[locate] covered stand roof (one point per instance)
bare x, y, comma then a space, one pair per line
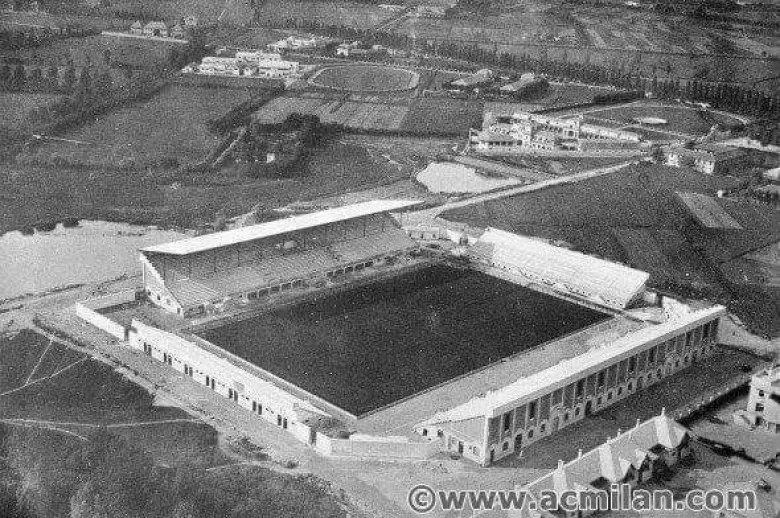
278, 227
595, 279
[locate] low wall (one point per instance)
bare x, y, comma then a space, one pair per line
113, 299
88, 310
99, 321
380, 448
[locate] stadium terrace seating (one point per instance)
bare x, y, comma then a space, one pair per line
259, 271
361, 249
602, 281
190, 293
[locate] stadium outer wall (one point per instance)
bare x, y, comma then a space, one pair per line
266, 400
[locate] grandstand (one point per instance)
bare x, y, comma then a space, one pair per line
194, 276
564, 271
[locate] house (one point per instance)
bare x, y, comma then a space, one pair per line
763, 407
345, 48
708, 158
156, 29
137, 28
177, 31
632, 457
190, 21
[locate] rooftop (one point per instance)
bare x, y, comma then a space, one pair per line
279, 227
605, 282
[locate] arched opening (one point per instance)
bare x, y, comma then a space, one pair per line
588, 408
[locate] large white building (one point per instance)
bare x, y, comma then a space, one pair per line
201, 274
618, 358
529, 132
484, 415
260, 64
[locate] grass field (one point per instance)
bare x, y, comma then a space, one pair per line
371, 346
686, 120
365, 78
62, 389
90, 424
170, 127
93, 50
352, 14
366, 116
428, 117
633, 217
16, 106
443, 117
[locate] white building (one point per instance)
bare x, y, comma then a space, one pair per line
763, 408
215, 65
616, 360
293, 43
708, 158
632, 457
250, 63
530, 131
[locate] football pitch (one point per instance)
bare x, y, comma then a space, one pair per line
373, 345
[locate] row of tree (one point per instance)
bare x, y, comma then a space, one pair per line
65, 80
721, 95
15, 39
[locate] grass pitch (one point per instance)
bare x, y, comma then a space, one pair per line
371, 346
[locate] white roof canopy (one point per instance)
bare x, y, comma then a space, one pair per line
279, 227
608, 283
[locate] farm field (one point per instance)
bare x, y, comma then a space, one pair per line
666, 256
16, 106
365, 78
89, 426
34, 193
442, 117
398, 337
355, 115
169, 128
559, 96
632, 216
60, 388
93, 50
352, 14
416, 117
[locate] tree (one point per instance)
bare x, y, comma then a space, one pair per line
52, 82
657, 154
69, 79
18, 79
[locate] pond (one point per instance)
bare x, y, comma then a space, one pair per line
451, 178
93, 251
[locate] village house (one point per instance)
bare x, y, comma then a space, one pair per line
156, 29
177, 31
763, 407
137, 28
707, 158
632, 457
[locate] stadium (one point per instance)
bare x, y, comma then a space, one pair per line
340, 328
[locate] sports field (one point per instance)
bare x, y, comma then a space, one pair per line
365, 78
371, 346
